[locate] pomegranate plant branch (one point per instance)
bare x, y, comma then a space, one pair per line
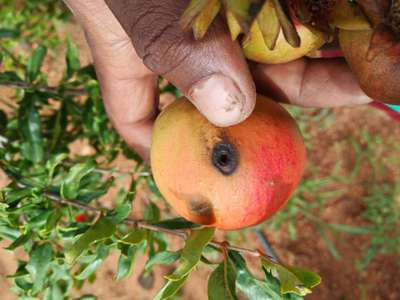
144, 225
45, 88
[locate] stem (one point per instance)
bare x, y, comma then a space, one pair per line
144, 225
48, 89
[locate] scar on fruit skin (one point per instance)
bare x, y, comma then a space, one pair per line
199, 206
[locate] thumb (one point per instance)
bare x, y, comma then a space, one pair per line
212, 73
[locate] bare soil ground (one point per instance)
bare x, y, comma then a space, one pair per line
340, 278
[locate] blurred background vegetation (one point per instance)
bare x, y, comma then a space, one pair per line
343, 220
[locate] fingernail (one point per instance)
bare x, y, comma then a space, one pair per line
219, 99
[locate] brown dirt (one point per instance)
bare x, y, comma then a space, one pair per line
341, 280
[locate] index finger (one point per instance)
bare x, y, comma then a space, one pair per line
310, 83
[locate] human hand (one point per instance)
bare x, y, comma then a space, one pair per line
133, 41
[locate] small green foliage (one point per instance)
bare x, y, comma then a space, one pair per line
104, 228
170, 288
191, 253
35, 62
222, 282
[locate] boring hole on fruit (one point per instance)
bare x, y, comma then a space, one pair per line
225, 158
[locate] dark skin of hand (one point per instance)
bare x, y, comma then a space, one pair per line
134, 41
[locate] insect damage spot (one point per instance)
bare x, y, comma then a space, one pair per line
225, 157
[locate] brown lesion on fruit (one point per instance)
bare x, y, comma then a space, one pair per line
200, 207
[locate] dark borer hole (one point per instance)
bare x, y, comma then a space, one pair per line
225, 158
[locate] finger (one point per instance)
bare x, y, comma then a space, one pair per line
129, 89
310, 83
211, 72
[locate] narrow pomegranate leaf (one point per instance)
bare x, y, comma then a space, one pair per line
251, 287
170, 289
292, 279
135, 237
191, 253
221, 283
269, 24
203, 21
101, 230
289, 31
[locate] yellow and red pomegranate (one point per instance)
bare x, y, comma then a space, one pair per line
231, 177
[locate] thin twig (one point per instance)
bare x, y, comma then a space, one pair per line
45, 88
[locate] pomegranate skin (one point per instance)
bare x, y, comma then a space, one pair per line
231, 177
378, 77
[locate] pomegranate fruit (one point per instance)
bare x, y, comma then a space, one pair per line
231, 177
374, 55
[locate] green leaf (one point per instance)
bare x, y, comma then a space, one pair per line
151, 213
221, 283
53, 292
350, 229
101, 230
161, 258
328, 242
9, 33
39, 265
153, 187
37, 222
8, 233
87, 297
59, 127
307, 277
135, 237
54, 162
71, 184
251, 287
35, 62
53, 219
3, 121
125, 262
9, 76
176, 223
292, 279
21, 240
191, 253
170, 289
30, 129
120, 213
102, 253
72, 58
